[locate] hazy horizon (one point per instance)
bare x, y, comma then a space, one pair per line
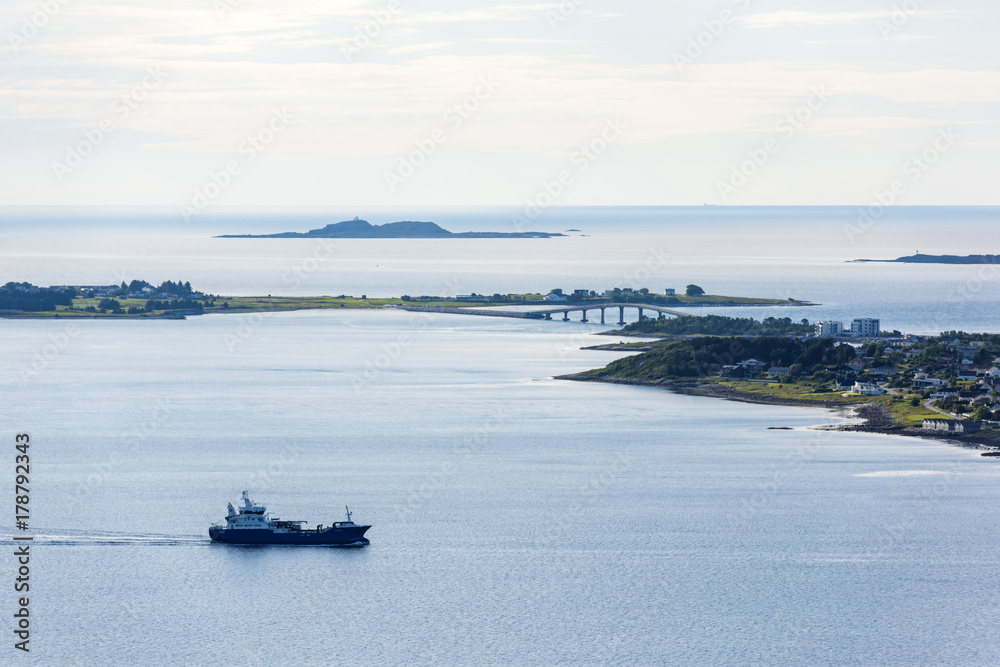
516, 103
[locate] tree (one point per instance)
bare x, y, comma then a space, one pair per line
557, 291
694, 290
981, 413
109, 304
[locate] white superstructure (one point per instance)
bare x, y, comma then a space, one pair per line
253, 517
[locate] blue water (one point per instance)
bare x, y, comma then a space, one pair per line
516, 518
774, 252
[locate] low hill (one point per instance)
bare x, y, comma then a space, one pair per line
406, 229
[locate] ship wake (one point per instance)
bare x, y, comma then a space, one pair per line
72, 538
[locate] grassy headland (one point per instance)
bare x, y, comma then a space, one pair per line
141, 299
907, 382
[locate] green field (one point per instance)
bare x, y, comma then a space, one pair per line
898, 406
243, 304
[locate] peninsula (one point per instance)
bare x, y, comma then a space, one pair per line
407, 229
170, 299
945, 386
939, 259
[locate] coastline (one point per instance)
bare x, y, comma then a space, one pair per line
873, 417
261, 304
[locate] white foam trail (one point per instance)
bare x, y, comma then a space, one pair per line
107, 540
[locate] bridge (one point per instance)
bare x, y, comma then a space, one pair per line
547, 313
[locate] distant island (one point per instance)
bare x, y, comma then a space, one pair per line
176, 300
940, 259
362, 229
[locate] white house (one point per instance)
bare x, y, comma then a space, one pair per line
551, 296
867, 389
944, 393
950, 425
922, 380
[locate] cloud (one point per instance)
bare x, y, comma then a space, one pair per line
870, 40
801, 18
495, 13
225, 75
416, 48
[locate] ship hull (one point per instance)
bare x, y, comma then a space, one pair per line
343, 536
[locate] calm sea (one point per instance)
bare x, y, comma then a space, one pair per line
516, 518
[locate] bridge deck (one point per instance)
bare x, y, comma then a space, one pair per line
541, 312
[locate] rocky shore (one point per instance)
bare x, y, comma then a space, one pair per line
873, 418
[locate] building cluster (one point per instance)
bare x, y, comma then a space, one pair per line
579, 294
862, 327
961, 383
145, 291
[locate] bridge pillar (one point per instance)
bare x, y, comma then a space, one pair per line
621, 314
548, 316
584, 315
640, 314
602, 316
566, 316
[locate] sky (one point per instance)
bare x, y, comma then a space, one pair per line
194, 103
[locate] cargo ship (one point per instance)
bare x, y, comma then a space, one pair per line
251, 524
